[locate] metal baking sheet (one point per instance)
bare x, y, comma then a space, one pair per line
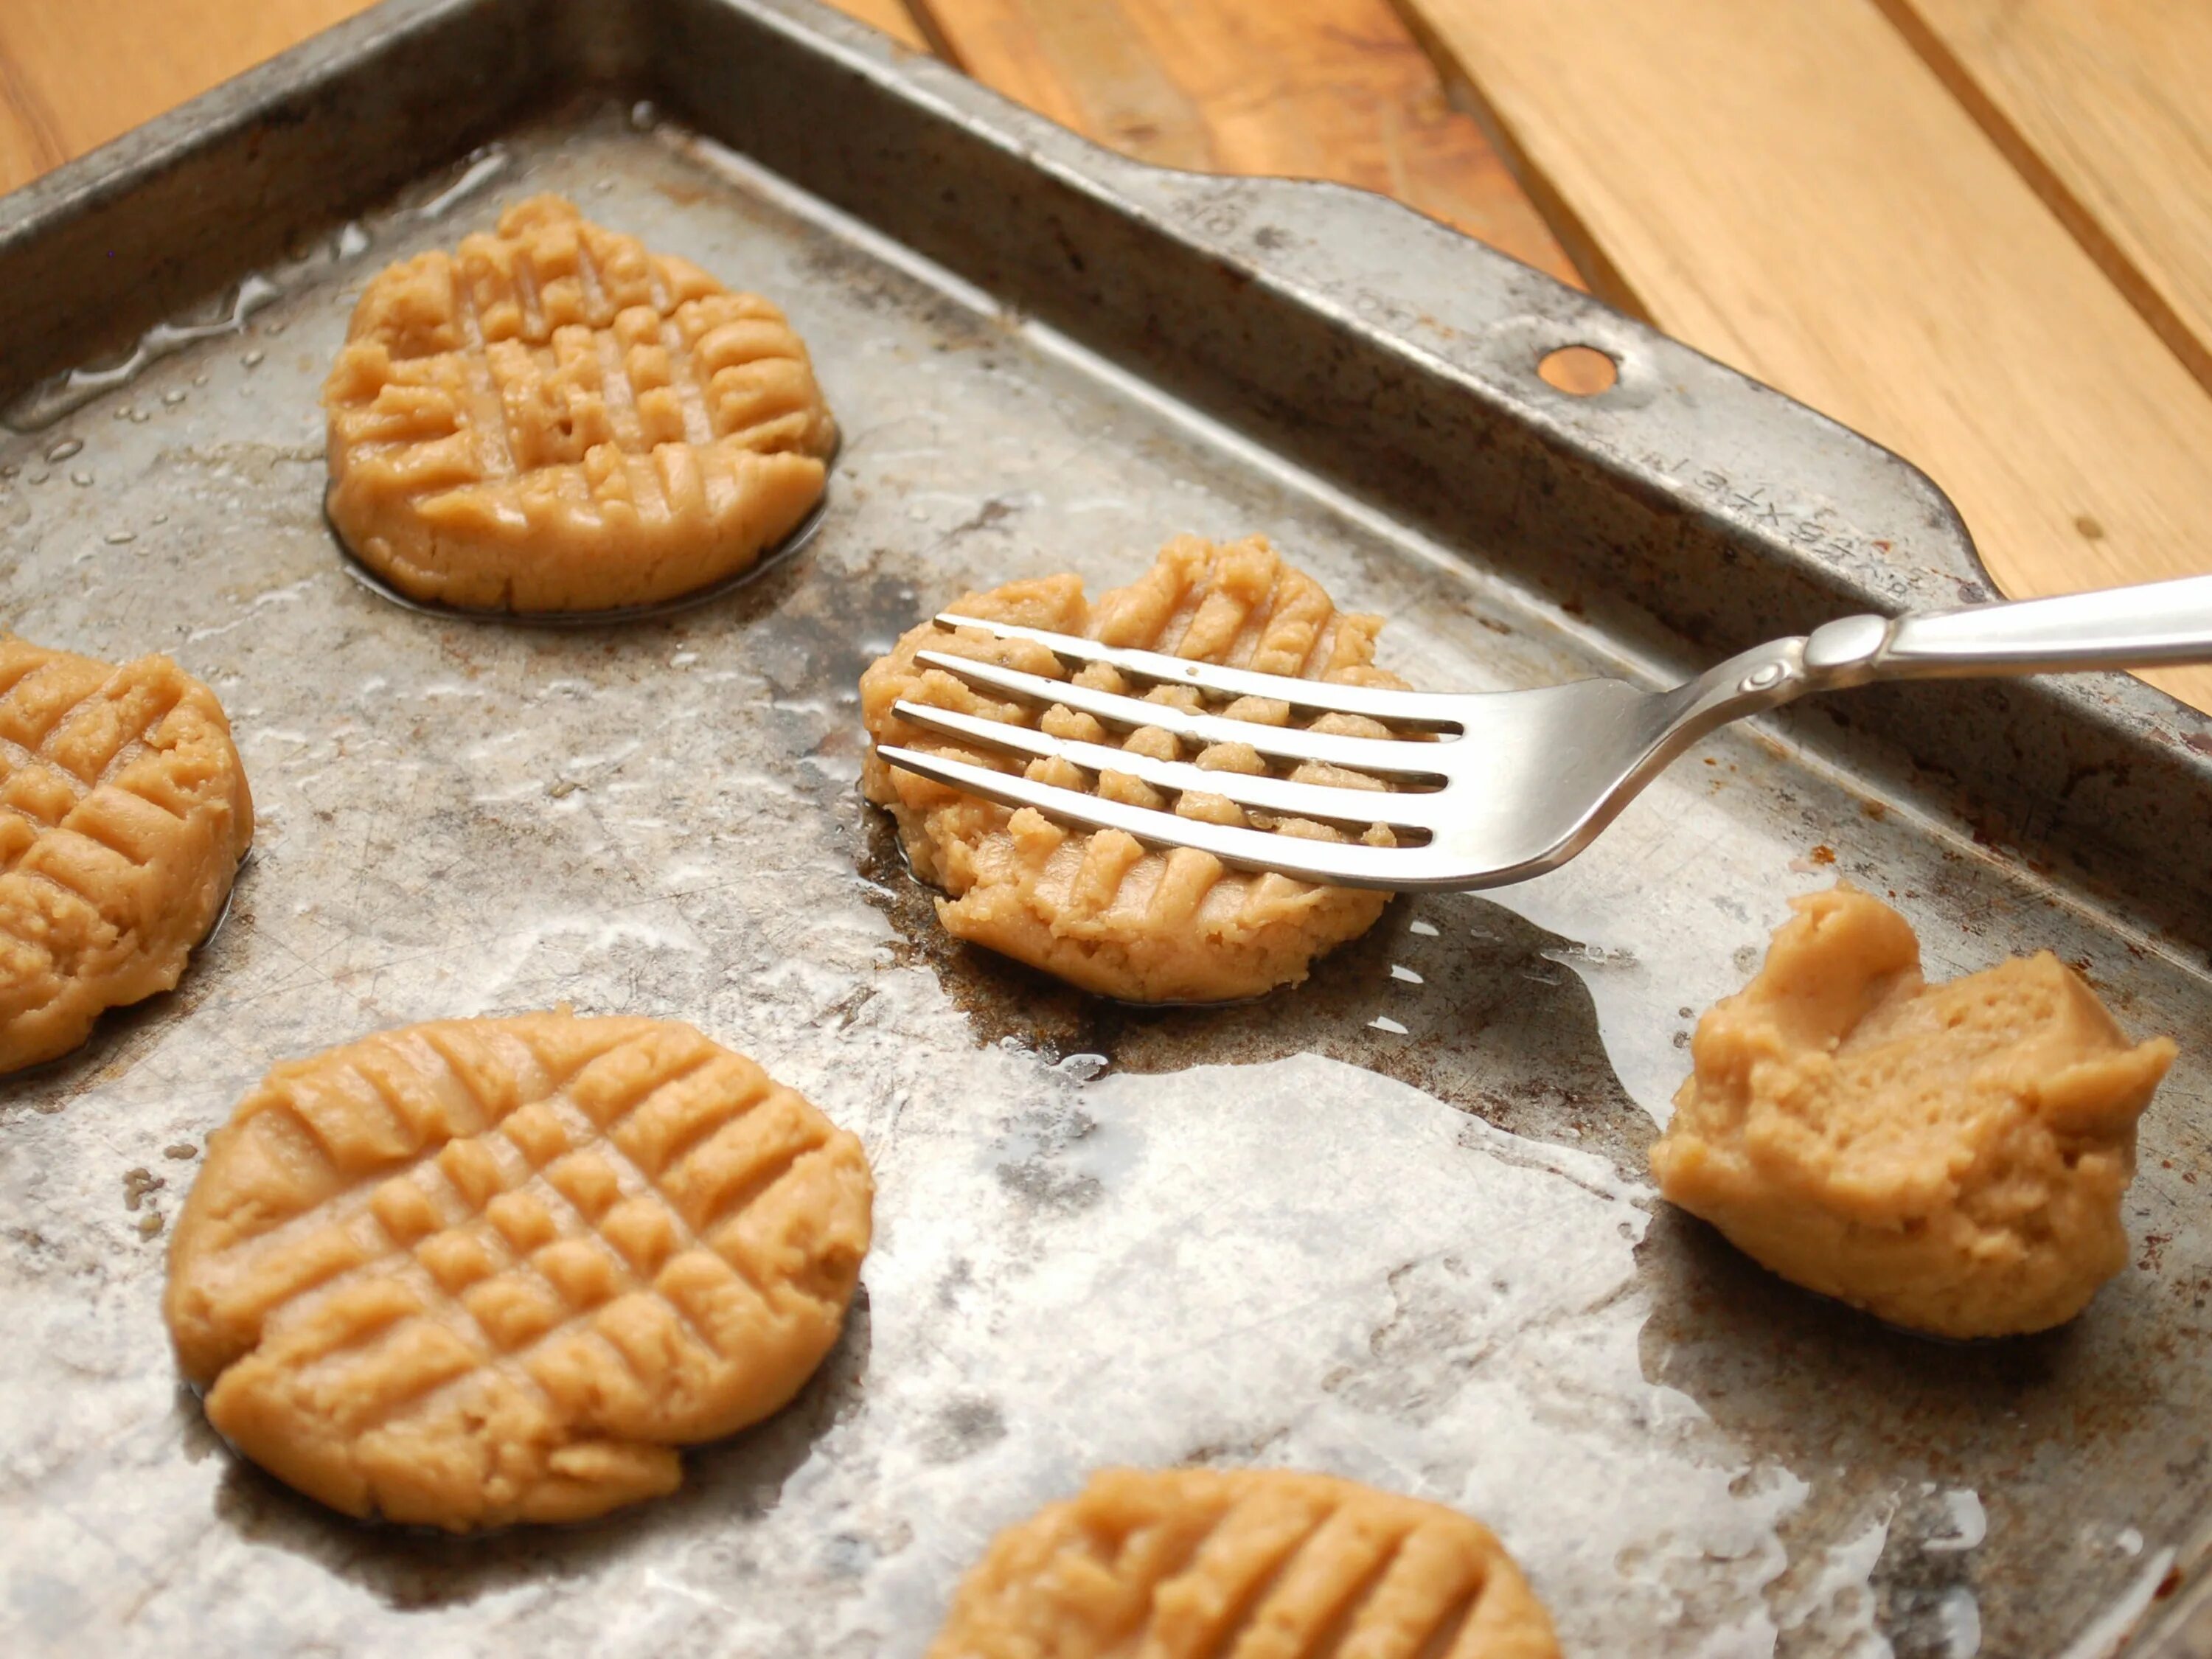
1395, 1224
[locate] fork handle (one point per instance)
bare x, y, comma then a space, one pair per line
2138, 626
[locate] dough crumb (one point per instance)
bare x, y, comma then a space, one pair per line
1949, 1158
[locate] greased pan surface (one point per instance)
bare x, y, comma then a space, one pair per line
1393, 1224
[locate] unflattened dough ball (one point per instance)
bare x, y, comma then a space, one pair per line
1949, 1158
1211, 1561
1096, 908
553, 418
482, 1271
123, 813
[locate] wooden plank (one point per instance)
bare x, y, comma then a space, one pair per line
1303, 89
891, 17
2107, 111
1790, 189
77, 73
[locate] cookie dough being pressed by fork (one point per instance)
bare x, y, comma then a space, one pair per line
123, 813
485, 1271
1096, 908
554, 419
1220, 1561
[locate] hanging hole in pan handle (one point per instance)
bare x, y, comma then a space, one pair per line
1580, 371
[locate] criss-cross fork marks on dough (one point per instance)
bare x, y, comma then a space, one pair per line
1206, 1564
554, 419
123, 812
475, 1271
1096, 908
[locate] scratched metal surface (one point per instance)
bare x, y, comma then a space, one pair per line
1393, 1224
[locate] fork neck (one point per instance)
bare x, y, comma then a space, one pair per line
1750, 682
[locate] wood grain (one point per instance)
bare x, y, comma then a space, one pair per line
77, 73
2106, 110
891, 17
1789, 188
1332, 89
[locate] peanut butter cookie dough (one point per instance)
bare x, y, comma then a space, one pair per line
553, 418
123, 813
1096, 908
483, 1271
1244, 1561
1949, 1158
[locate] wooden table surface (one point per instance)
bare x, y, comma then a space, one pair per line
1979, 231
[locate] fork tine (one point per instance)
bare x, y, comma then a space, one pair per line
1425, 711
1329, 804
1388, 757
1337, 864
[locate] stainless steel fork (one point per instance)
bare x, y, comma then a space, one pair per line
1500, 785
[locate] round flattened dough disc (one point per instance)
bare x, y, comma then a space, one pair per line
482, 1271
553, 419
1229, 1561
123, 813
